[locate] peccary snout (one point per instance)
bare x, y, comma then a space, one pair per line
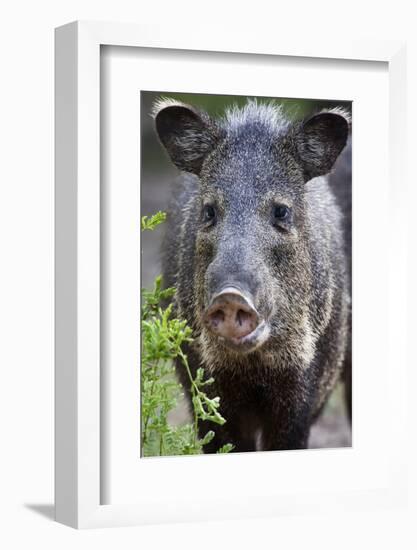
231, 314
232, 317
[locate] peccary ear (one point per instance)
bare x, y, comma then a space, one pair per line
187, 134
319, 141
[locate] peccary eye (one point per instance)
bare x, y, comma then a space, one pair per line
280, 213
209, 213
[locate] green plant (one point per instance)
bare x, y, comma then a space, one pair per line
162, 339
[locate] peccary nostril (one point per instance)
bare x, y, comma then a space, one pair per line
216, 318
242, 317
231, 316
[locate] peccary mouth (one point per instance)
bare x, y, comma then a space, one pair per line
251, 341
233, 319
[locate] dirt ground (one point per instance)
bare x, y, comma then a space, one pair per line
332, 428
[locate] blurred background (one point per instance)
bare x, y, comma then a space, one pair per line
157, 177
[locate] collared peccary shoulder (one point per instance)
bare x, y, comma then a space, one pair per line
255, 246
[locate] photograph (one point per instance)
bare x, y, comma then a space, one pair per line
246, 209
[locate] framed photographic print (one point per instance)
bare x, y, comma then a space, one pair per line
228, 324
249, 263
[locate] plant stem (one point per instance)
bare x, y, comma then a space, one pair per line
146, 421
194, 391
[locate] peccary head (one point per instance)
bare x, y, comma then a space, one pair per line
253, 267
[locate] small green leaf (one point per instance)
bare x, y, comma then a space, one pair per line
226, 448
207, 438
149, 223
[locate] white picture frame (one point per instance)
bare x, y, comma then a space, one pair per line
78, 426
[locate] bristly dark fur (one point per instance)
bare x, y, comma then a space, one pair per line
299, 274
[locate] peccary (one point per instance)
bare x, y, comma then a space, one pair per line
255, 246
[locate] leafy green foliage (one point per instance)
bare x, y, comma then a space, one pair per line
226, 448
162, 339
150, 222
